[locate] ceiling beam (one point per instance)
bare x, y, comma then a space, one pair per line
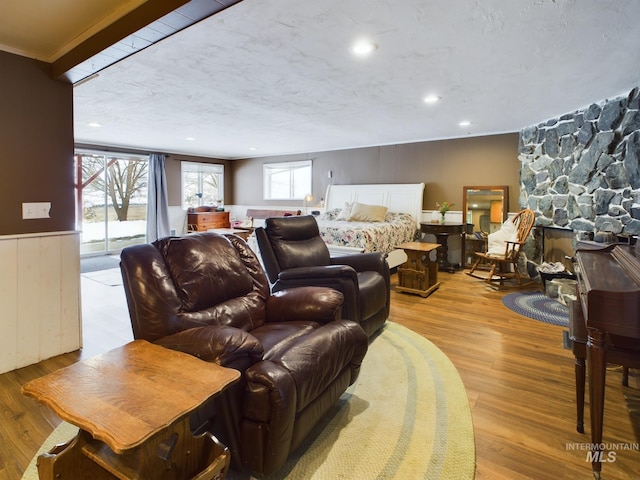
148, 12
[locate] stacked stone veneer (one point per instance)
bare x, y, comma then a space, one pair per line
582, 171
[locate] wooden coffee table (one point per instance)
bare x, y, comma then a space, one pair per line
418, 274
132, 406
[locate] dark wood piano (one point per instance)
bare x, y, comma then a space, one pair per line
609, 290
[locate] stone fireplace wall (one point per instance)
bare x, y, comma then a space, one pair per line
581, 171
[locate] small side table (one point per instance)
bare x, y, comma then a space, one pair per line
132, 405
418, 274
442, 232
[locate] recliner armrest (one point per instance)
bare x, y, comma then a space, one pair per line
376, 261
339, 277
226, 346
318, 272
316, 304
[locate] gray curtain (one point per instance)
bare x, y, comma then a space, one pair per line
157, 201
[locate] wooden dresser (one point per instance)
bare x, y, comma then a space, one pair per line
203, 221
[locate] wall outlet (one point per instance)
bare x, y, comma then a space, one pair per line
36, 210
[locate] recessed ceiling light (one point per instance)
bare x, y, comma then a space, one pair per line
190, 139
253, 149
94, 124
465, 123
363, 47
431, 99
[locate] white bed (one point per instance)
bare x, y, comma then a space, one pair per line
401, 200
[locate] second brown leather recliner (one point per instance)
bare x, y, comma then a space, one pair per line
294, 254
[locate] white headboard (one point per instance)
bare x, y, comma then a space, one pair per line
399, 197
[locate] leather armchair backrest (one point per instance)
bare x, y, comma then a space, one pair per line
296, 242
206, 270
199, 279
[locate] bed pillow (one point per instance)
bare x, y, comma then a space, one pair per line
345, 213
361, 212
330, 214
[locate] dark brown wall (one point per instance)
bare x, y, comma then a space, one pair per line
36, 146
445, 166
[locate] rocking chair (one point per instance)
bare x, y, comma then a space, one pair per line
504, 266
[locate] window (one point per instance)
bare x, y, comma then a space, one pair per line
111, 200
202, 184
287, 181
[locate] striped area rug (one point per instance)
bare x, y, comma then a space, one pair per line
538, 306
406, 417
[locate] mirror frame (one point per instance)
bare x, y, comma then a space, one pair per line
505, 199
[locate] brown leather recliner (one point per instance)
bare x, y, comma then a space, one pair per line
206, 294
294, 254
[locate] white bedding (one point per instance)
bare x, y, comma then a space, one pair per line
402, 222
368, 236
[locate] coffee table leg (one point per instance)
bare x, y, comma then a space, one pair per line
66, 461
175, 455
172, 454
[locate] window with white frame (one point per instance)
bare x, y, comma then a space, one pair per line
287, 181
202, 184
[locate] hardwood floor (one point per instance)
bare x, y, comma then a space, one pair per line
518, 376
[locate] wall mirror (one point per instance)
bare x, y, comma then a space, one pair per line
485, 208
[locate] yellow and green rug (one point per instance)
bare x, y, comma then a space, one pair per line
406, 417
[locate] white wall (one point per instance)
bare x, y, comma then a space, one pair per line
40, 297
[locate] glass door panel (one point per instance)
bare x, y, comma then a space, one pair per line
112, 202
126, 202
91, 198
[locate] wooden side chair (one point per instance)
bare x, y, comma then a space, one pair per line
504, 266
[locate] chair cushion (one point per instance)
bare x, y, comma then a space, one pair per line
507, 233
206, 270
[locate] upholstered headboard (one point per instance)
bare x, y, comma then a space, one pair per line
400, 197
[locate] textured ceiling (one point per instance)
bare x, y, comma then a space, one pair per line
279, 76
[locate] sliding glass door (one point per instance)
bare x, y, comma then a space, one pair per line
111, 200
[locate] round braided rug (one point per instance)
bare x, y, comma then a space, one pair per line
538, 306
406, 417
